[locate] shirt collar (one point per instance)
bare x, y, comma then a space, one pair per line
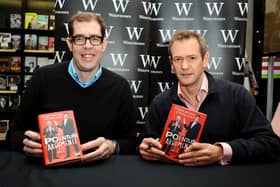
202, 93
72, 71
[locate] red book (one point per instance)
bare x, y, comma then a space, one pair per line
59, 137
182, 127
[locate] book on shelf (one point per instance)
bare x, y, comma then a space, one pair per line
15, 20
30, 63
51, 41
14, 64
4, 127
26, 80
3, 82
13, 81
4, 64
43, 42
42, 22
182, 127
14, 101
16, 41
5, 40
4, 100
51, 22
30, 20
43, 61
59, 138
30, 41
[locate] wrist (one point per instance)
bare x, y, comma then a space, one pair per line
116, 147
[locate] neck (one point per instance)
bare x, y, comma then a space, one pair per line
85, 76
191, 92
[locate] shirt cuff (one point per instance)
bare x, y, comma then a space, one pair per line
227, 153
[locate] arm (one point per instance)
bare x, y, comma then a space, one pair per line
257, 141
26, 118
126, 130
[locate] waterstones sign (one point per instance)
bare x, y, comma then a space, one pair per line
139, 31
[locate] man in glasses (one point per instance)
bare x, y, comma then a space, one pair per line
101, 100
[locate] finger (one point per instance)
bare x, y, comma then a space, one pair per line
30, 151
102, 151
152, 153
32, 144
33, 135
93, 144
150, 156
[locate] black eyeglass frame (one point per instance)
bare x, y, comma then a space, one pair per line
91, 38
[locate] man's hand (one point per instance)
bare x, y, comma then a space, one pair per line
98, 149
150, 149
32, 144
198, 154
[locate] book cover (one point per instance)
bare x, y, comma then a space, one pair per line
27, 78
30, 20
183, 127
5, 40
15, 20
42, 61
14, 101
4, 100
4, 64
30, 64
43, 42
51, 22
30, 41
3, 82
15, 64
42, 22
59, 137
4, 127
13, 81
51, 43
16, 41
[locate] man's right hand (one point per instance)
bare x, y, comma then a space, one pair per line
150, 149
32, 144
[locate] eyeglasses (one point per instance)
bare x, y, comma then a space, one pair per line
93, 39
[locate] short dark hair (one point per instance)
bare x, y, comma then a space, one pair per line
86, 17
185, 35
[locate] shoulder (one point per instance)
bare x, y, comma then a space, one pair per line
164, 100
227, 86
230, 91
52, 68
113, 78
223, 86
112, 75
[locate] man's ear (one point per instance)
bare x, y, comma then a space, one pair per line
104, 44
69, 43
206, 58
171, 64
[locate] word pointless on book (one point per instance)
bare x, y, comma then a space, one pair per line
174, 139
60, 141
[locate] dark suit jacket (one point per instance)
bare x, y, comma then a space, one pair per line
193, 130
68, 127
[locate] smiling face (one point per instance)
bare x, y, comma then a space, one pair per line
86, 57
187, 62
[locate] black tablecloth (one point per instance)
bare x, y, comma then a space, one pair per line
17, 170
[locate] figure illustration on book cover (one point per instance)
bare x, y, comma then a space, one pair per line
183, 127
61, 139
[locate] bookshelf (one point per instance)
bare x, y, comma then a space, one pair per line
20, 55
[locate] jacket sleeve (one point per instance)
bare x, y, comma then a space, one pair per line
257, 141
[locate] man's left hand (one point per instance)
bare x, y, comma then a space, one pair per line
198, 154
98, 149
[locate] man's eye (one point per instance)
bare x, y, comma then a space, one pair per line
79, 38
177, 59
